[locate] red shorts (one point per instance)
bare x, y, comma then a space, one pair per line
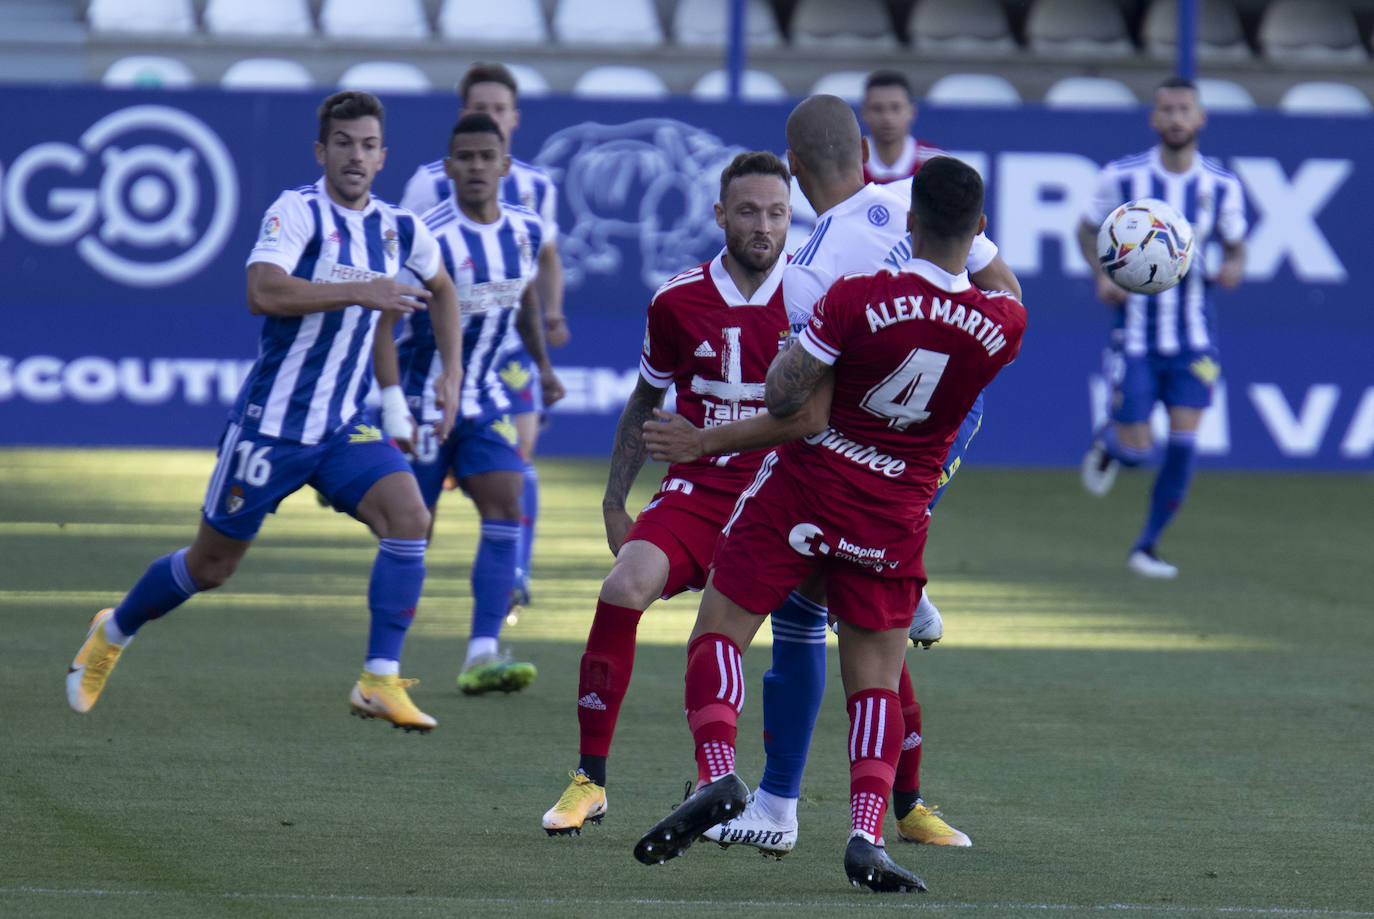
684, 520
782, 531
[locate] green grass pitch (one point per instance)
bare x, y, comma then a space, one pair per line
1111, 745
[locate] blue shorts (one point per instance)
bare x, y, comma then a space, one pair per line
477, 445
1182, 380
972, 422
253, 474
520, 378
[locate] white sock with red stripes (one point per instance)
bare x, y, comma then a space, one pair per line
714, 697
875, 744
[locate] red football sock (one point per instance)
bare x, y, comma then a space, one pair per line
909, 765
714, 698
604, 675
875, 742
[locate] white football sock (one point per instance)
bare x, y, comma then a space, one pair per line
775, 808
382, 666
478, 648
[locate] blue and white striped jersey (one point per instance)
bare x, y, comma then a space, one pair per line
525, 185
865, 232
312, 371
1210, 197
491, 265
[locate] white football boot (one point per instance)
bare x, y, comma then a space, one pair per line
755, 828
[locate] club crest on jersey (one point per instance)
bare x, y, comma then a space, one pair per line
879, 215
784, 337
391, 242
233, 502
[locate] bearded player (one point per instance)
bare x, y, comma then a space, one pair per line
712, 330
906, 354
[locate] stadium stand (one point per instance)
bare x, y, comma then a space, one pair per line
149, 71
706, 24
275, 18
531, 82
756, 85
1281, 42
1220, 95
1090, 92
266, 73
1309, 30
1074, 27
981, 89
1220, 34
973, 26
508, 22
847, 84
853, 24
607, 22
367, 20
385, 77
144, 17
1321, 97
619, 82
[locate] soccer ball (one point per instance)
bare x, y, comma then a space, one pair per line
1145, 246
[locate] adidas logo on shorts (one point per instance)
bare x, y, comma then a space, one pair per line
911, 741
705, 350
593, 701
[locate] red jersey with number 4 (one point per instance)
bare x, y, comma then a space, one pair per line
911, 353
704, 336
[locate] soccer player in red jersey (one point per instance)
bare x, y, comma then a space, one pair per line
889, 111
712, 330
907, 354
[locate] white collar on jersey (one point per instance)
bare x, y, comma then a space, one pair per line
954, 283
1157, 164
730, 292
365, 210
865, 196
902, 167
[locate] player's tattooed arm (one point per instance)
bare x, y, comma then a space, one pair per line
791, 380
627, 458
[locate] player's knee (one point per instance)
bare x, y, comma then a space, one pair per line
630, 586
410, 520
211, 571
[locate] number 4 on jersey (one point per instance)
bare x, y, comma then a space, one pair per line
903, 396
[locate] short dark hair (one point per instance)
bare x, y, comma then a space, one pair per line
947, 196
1177, 83
755, 163
482, 72
476, 123
350, 105
887, 78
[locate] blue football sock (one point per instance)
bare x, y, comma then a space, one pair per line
1126, 456
493, 576
529, 513
398, 576
792, 693
164, 586
1171, 486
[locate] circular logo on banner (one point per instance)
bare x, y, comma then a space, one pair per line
149, 196
879, 215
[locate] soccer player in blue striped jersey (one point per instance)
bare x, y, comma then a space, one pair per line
1164, 346
323, 274
490, 248
490, 89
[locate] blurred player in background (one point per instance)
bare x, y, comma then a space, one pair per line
490, 248
323, 274
712, 331
889, 111
860, 229
906, 355
1164, 347
490, 89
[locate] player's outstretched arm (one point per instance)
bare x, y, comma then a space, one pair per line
273, 292
673, 439
627, 458
792, 380
446, 316
548, 283
996, 275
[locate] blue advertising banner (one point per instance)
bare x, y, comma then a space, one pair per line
126, 217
